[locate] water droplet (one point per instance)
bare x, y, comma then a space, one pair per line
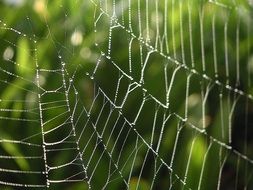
228, 87
217, 82
194, 71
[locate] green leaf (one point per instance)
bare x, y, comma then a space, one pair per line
13, 150
136, 184
25, 62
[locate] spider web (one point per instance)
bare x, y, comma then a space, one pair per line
162, 100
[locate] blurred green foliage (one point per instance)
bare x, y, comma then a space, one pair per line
205, 49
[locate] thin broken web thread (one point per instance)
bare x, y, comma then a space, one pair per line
133, 86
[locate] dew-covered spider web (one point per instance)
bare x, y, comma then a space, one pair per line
126, 94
